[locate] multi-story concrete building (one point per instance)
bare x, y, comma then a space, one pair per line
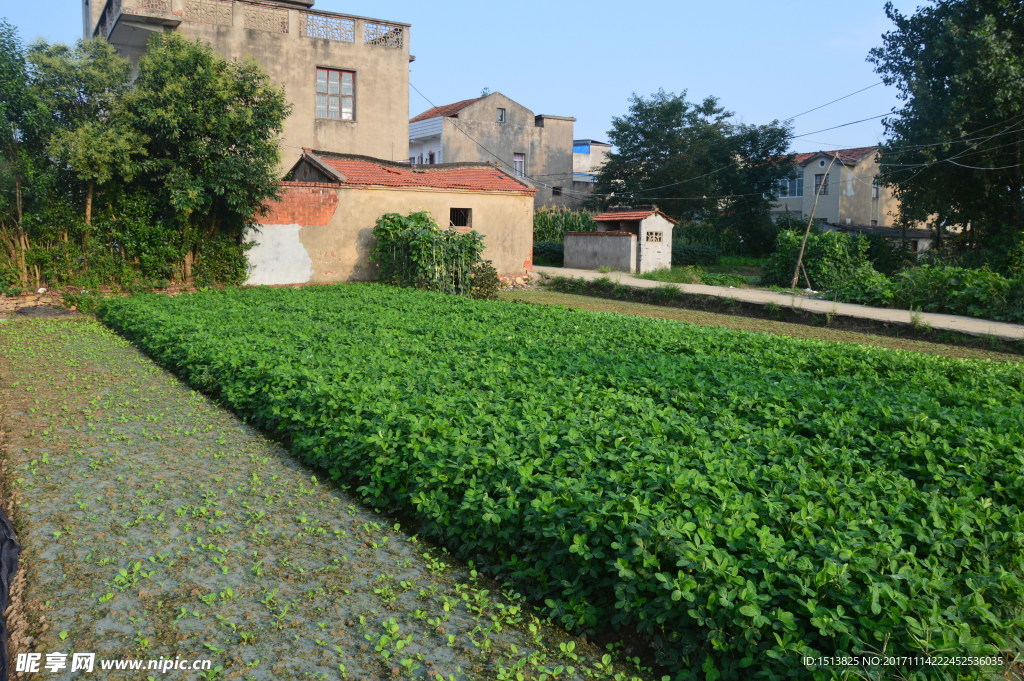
346, 77
588, 156
850, 198
849, 193
495, 129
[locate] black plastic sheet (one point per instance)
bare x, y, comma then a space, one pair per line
9, 550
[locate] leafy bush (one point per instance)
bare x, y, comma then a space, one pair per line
691, 274
889, 256
976, 293
691, 254
677, 275
940, 288
741, 499
741, 261
830, 258
551, 253
718, 279
486, 283
866, 286
550, 224
414, 251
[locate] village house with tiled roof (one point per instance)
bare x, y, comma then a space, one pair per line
496, 129
849, 193
850, 198
321, 229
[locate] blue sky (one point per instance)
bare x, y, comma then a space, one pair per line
763, 60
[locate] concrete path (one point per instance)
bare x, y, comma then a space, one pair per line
946, 322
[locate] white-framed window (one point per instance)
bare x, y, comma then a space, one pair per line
336, 94
501, 115
519, 164
874, 188
792, 185
821, 183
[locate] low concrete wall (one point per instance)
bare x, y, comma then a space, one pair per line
592, 250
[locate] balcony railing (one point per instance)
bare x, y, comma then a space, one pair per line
161, 10
257, 16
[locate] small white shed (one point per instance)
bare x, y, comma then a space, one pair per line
653, 230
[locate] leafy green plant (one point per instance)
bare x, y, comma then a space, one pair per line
830, 259
548, 253
939, 288
414, 251
735, 498
551, 224
694, 254
716, 279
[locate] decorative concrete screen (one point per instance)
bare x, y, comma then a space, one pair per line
592, 250
655, 244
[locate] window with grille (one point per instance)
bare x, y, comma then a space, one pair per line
336, 94
461, 217
654, 237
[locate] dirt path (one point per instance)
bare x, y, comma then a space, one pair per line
946, 322
156, 525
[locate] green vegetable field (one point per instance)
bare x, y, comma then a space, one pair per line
739, 500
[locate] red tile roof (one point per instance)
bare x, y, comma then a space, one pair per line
370, 172
612, 216
846, 156
446, 110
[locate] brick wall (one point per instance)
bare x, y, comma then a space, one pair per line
302, 203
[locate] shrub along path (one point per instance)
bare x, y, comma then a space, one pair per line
155, 524
946, 322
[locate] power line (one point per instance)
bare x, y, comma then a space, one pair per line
836, 127
833, 101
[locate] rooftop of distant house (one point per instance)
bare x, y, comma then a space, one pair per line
353, 170
446, 110
631, 213
844, 156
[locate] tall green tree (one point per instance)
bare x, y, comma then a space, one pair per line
954, 146
13, 103
212, 131
696, 164
72, 93
167, 169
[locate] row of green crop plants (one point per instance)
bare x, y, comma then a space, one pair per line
740, 500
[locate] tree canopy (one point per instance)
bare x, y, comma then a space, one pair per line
953, 149
696, 164
174, 165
